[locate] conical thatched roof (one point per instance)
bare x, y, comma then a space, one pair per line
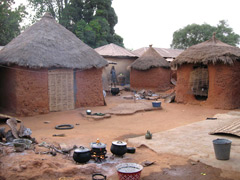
150, 59
211, 51
48, 44
113, 50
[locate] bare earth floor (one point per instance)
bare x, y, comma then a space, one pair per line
168, 166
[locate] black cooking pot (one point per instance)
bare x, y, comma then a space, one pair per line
115, 91
82, 155
119, 148
98, 176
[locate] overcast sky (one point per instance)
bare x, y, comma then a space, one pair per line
144, 22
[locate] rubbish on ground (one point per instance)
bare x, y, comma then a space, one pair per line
12, 123
98, 114
147, 163
204, 174
6, 117
208, 118
27, 142
19, 147
59, 135
170, 98
2, 133
46, 122
24, 132
64, 126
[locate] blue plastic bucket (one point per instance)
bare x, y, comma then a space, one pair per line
156, 104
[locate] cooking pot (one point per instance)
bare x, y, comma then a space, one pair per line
119, 148
82, 155
98, 176
115, 91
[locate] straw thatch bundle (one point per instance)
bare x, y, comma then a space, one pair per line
211, 51
48, 44
150, 59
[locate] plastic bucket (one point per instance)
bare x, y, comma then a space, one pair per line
129, 171
222, 148
156, 104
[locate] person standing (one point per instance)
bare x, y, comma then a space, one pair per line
113, 77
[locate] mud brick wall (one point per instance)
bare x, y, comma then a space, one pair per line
89, 91
184, 93
153, 79
24, 91
8, 83
224, 86
32, 91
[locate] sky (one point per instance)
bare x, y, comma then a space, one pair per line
145, 22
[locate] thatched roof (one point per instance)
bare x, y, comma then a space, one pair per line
48, 44
113, 50
164, 52
150, 59
211, 51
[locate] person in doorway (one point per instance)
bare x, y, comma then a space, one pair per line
113, 77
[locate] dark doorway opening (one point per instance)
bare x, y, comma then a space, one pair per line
200, 82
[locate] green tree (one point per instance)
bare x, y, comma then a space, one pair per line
194, 34
92, 21
9, 21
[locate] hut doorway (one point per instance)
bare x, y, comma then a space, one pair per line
60, 89
199, 81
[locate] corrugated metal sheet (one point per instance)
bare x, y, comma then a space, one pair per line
113, 50
164, 52
232, 128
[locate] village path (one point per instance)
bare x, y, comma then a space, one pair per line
107, 130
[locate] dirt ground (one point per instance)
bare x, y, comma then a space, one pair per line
29, 165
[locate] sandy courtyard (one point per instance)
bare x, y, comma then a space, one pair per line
29, 165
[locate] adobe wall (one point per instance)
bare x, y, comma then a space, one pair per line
32, 91
120, 67
154, 79
24, 91
224, 86
7, 90
183, 89
89, 88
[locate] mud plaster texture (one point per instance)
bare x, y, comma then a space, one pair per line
24, 91
153, 79
224, 86
89, 88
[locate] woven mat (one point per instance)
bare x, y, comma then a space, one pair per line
232, 128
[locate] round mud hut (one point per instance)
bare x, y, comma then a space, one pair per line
150, 71
208, 73
47, 68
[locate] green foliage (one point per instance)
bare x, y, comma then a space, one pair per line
194, 34
92, 21
9, 21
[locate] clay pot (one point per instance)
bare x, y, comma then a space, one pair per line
119, 148
148, 135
